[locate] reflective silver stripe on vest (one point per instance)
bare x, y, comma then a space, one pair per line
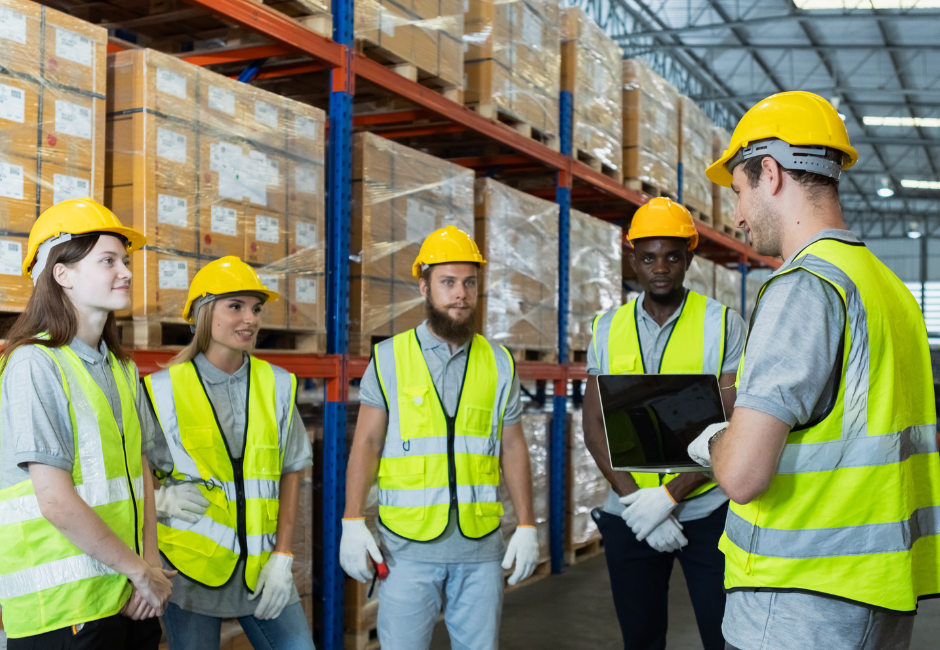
162, 388
429, 446
51, 574
282, 403
26, 508
867, 451
602, 340
207, 527
712, 341
255, 488
439, 496
868, 539
855, 416
477, 493
259, 543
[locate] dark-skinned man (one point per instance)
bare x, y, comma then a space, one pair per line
649, 518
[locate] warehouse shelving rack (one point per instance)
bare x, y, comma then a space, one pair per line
574, 181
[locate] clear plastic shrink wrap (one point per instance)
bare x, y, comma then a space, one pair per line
596, 254
400, 196
728, 287
695, 154
650, 127
591, 70
518, 236
700, 277
206, 167
723, 198
587, 487
512, 61
537, 426
52, 125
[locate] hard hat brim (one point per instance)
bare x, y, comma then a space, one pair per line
135, 241
719, 174
270, 296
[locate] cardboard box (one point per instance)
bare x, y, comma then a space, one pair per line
305, 302
19, 200
222, 229
19, 118
596, 254
159, 83
75, 53
650, 127
15, 287
265, 237
274, 314
161, 284
695, 154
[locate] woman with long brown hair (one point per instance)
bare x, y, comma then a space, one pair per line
79, 565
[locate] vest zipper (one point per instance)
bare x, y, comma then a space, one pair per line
130, 486
238, 469
451, 461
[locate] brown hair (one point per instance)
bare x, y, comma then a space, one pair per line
809, 181
201, 338
49, 310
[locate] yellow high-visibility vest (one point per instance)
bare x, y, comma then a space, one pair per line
854, 509
432, 462
241, 521
695, 346
46, 583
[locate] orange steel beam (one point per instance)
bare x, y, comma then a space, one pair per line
397, 117
234, 55
287, 70
706, 231
490, 161
418, 131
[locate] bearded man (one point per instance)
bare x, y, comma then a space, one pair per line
440, 411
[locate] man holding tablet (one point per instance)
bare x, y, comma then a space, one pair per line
648, 517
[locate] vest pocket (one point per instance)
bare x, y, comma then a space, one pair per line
267, 460
414, 412
477, 421
404, 478
624, 364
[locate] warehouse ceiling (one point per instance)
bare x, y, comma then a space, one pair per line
878, 61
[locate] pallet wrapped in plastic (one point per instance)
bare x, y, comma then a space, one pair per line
700, 277
537, 426
518, 236
52, 134
315, 15
207, 167
512, 62
728, 287
596, 252
424, 34
400, 196
650, 128
591, 71
587, 487
695, 154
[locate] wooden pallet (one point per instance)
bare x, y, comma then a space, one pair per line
525, 354
599, 165
147, 334
647, 188
584, 551
493, 112
411, 71
701, 216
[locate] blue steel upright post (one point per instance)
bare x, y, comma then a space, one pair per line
559, 448
339, 179
743, 268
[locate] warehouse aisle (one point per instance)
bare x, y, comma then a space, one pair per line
574, 611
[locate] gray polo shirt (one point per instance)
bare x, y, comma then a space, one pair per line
228, 395
790, 373
653, 340
34, 411
447, 372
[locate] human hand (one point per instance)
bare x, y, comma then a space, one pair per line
699, 450
355, 547
648, 508
182, 501
667, 537
523, 549
153, 585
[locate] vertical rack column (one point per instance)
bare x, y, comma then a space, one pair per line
743, 268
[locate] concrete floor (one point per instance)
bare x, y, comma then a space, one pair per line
574, 611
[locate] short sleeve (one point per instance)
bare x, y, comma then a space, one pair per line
298, 452
513, 412
370, 392
792, 348
735, 337
593, 363
144, 416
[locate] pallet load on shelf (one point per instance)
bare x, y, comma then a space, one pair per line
724, 200
512, 64
206, 167
695, 154
728, 287
591, 71
52, 112
700, 277
596, 251
518, 236
315, 15
587, 489
421, 39
400, 196
650, 130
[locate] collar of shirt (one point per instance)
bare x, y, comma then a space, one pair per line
430, 343
642, 312
214, 375
829, 233
88, 354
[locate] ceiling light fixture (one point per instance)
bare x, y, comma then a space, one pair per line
928, 122
884, 189
913, 230
920, 185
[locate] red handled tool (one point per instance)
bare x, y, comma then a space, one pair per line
381, 573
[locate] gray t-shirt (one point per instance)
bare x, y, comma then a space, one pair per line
447, 372
790, 373
228, 395
34, 411
653, 340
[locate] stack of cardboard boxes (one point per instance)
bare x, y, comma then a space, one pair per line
724, 199
596, 252
537, 426
587, 488
695, 154
650, 129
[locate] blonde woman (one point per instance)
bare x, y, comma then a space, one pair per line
231, 443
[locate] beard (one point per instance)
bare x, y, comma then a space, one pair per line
668, 298
765, 229
450, 329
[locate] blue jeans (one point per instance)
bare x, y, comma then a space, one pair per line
191, 631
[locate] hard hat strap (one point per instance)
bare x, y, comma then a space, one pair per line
807, 158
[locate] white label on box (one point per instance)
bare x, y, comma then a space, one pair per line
73, 47
171, 145
270, 282
11, 181
173, 274
221, 99
72, 119
267, 229
68, 187
306, 234
305, 291
266, 114
171, 83
12, 103
466, 6
387, 22
11, 257
13, 26
531, 27
419, 221
305, 127
224, 221
305, 179
224, 156
172, 210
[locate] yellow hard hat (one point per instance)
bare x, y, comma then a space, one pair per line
798, 118
662, 217
224, 275
447, 245
76, 217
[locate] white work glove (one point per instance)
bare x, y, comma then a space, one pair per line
523, 549
183, 501
667, 537
274, 585
355, 547
698, 450
648, 508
